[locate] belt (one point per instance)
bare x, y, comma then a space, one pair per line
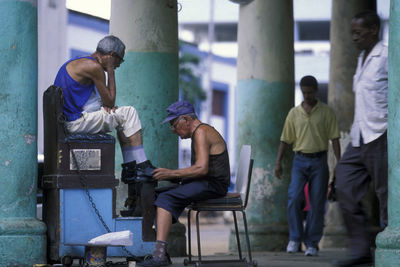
312, 155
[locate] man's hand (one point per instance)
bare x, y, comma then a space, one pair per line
109, 63
162, 173
278, 170
109, 110
278, 167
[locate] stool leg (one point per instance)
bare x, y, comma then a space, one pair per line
147, 199
198, 234
189, 236
237, 235
247, 235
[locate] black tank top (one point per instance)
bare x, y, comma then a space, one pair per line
219, 175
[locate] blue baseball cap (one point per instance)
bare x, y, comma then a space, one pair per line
177, 109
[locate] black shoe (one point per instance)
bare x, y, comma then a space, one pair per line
361, 261
133, 212
134, 209
128, 174
144, 170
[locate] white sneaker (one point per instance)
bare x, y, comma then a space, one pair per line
311, 251
293, 247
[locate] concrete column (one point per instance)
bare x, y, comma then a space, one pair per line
265, 94
388, 242
343, 61
22, 237
148, 80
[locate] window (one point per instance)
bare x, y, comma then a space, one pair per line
313, 30
218, 103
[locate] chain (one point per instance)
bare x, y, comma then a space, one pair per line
82, 180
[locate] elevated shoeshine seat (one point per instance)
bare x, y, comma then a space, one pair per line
74, 202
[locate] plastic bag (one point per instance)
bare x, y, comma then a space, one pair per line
122, 238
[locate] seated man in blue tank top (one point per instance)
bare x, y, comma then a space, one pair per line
208, 177
89, 106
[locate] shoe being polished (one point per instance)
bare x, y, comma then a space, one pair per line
360, 261
128, 174
144, 171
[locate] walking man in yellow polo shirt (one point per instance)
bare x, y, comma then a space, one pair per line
308, 128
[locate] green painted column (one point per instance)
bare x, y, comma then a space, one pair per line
265, 94
148, 79
343, 61
387, 252
22, 237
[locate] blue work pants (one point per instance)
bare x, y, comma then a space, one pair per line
313, 170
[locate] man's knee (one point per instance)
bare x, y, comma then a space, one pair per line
163, 215
128, 111
296, 202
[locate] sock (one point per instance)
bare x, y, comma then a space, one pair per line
160, 250
138, 152
131, 153
127, 154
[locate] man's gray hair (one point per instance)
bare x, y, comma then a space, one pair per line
110, 44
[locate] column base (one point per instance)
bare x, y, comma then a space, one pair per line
262, 238
387, 253
22, 242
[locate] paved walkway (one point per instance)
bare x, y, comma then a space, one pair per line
215, 241
282, 259
272, 259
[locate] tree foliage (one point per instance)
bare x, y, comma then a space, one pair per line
189, 80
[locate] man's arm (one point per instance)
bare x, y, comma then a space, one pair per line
107, 93
336, 149
198, 169
94, 71
278, 166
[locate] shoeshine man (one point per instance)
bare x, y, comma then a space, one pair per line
208, 177
89, 104
308, 127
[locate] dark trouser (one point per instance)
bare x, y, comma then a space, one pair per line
354, 172
175, 200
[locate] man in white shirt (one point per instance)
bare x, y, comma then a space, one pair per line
365, 159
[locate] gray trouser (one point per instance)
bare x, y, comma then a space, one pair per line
354, 172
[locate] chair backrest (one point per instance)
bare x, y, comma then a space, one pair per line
243, 174
53, 129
